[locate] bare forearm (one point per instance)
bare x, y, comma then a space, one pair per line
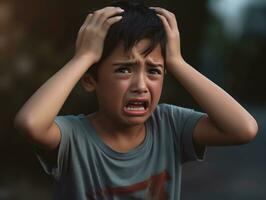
227, 122
226, 113
42, 107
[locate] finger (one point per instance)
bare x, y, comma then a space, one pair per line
88, 19
92, 19
81, 30
111, 21
167, 14
170, 17
165, 23
102, 15
105, 9
80, 35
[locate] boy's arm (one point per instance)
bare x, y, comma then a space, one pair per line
36, 117
227, 122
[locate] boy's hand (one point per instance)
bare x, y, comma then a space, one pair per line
173, 52
92, 33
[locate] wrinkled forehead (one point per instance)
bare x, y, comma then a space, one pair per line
138, 51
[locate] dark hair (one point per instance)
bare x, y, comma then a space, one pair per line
138, 22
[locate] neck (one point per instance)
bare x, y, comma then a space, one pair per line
109, 128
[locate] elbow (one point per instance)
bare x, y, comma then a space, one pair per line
18, 122
25, 128
22, 124
250, 132
28, 127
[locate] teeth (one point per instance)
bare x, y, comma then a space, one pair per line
137, 103
135, 108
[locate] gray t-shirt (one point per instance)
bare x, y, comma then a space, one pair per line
86, 168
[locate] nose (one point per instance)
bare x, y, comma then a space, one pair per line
139, 84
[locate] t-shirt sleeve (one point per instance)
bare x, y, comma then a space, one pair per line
184, 121
59, 165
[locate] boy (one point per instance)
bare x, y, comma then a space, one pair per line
130, 148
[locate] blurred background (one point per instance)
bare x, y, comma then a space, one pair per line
223, 39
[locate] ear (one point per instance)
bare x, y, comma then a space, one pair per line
88, 83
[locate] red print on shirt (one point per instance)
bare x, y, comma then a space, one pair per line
155, 185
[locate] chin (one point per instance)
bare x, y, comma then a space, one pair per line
135, 121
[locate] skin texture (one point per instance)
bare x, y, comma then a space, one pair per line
35, 120
92, 33
124, 76
227, 122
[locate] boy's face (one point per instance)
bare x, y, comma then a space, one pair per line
129, 84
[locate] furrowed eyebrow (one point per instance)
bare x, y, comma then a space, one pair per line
127, 63
134, 62
155, 64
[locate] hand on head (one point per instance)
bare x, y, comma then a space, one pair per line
173, 51
90, 40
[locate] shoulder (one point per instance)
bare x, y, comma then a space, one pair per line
71, 126
69, 121
170, 110
176, 115
166, 113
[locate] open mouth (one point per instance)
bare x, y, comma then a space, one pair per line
136, 105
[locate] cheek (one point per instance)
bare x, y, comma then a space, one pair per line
156, 87
156, 90
117, 90
113, 85
112, 92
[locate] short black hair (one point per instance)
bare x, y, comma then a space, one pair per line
138, 22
